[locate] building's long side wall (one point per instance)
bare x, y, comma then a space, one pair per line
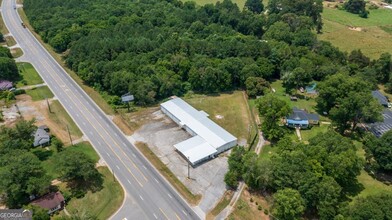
226, 146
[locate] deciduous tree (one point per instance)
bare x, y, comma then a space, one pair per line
288, 204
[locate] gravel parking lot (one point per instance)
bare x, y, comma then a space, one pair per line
161, 133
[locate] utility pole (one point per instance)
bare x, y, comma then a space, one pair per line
47, 102
188, 168
69, 134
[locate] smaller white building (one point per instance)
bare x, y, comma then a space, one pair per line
209, 138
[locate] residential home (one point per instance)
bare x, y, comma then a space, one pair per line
302, 119
52, 202
41, 136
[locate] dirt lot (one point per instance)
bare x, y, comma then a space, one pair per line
35, 109
161, 133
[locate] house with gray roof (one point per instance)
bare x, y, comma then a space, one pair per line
41, 137
301, 119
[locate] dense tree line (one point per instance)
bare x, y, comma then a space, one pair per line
8, 69
157, 48
379, 152
312, 178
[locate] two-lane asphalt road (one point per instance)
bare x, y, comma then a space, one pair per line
147, 194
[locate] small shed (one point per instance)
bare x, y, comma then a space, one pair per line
52, 202
5, 85
41, 137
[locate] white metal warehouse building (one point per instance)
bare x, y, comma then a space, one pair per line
209, 139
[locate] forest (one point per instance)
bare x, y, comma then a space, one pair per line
155, 49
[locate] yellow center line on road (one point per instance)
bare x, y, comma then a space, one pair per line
55, 76
164, 213
82, 112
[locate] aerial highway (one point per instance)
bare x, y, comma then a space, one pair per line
147, 194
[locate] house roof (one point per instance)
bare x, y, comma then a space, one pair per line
380, 97
300, 115
50, 200
41, 137
5, 85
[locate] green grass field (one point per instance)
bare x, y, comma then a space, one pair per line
61, 117
227, 110
29, 75
373, 36
40, 93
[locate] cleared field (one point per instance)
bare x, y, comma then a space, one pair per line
29, 75
372, 35
227, 110
40, 93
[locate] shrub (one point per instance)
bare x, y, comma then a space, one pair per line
251, 199
259, 207
266, 211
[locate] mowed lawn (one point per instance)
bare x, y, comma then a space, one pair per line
40, 93
373, 37
28, 75
228, 110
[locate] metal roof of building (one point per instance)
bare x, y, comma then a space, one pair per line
198, 122
299, 115
195, 149
379, 128
380, 97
